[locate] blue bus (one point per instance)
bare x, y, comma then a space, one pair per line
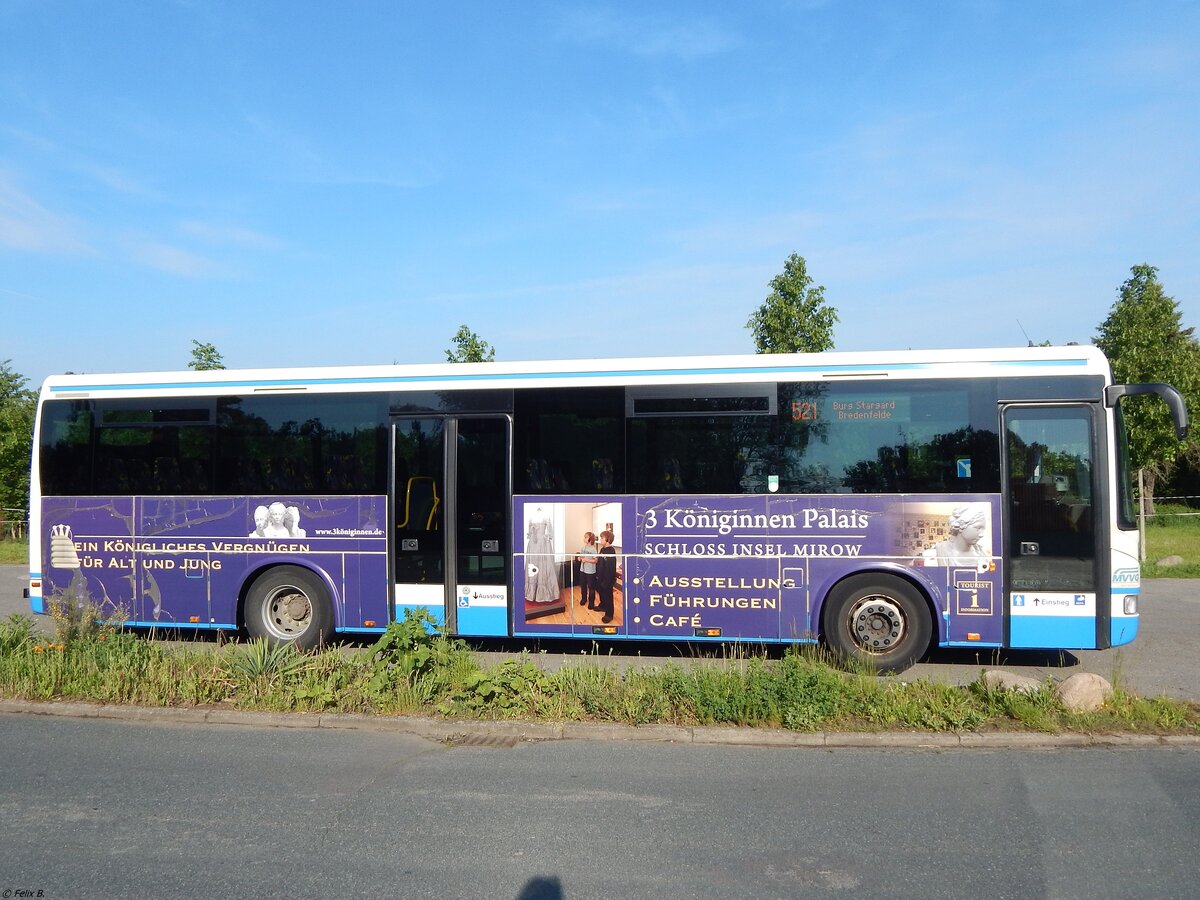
879, 503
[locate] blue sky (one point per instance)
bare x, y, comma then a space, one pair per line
319, 183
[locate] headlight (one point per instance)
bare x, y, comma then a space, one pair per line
1131, 605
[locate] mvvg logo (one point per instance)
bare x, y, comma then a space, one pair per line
1126, 576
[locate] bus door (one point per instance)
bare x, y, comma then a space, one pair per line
1052, 528
451, 502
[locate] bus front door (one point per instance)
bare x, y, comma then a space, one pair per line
1051, 525
451, 501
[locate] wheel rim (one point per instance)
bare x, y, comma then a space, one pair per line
287, 612
878, 623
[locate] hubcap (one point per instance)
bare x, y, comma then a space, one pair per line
877, 623
287, 612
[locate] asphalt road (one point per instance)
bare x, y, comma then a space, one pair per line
96, 808
1160, 661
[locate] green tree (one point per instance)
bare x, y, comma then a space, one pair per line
469, 347
1144, 340
205, 356
795, 317
17, 404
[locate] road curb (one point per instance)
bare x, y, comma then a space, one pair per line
511, 732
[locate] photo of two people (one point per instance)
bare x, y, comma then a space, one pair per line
572, 562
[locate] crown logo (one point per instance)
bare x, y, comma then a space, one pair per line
62, 548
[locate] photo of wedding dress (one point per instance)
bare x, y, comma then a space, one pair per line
541, 570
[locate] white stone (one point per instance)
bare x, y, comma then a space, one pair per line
1084, 692
999, 680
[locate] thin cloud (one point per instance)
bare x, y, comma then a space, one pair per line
31, 140
175, 260
739, 236
74, 161
303, 158
618, 199
649, 35
116, 180
22, 295
27, 226
230, 235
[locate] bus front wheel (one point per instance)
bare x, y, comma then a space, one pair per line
289, 604
880, 621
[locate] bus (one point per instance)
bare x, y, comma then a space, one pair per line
878, 503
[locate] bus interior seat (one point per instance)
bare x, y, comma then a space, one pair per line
536, 472
138, 472
166, 475
672, 474
421, 504
116, 478
247, 475
192, 477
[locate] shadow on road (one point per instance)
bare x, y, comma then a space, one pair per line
1042, 659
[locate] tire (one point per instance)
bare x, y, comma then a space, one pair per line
877, 620
288, 604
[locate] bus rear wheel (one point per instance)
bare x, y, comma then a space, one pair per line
289, 604
880, 621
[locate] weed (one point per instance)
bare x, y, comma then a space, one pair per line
314, 695
640, 701
1038, 710
413, 658
585, 691
1166, 713
262, 670
15, 632
940, 707
330, 681
262, 660
78, 617
814, 694
511, 688
1126, 711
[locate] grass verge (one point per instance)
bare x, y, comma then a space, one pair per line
1174, 531
411, 670
12, 551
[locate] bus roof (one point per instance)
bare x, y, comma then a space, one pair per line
750, 368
